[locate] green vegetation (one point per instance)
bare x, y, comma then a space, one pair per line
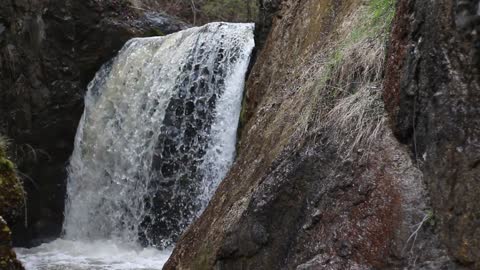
11, 190
3, 148
4, 142
155, 32
382, 11
431, 218
352, 75
243, 116
8, 258
374, 21
5, 164
11, 206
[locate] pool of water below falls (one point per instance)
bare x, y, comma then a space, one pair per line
99, 255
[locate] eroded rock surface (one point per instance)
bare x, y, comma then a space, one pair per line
320, 181
433, 95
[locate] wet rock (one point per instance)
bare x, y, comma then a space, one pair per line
11, 193
432, 97
162, 23
8, 259
267, 11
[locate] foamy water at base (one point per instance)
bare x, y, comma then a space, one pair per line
99, 255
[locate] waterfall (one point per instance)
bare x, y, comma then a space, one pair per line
157, 135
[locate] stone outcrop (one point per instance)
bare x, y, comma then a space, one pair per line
320, 181
49, 51
12, 198
433, 95
8, 259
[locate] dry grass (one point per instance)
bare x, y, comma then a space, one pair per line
357, 121
357, 117
360, 63
351, 82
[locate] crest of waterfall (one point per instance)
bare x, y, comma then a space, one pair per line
157, 135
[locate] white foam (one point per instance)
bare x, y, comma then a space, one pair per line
97, 255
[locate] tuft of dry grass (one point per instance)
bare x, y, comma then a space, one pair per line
357, 117
357, 120
352, 77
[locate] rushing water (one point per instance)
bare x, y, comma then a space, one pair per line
93, 255
157, 136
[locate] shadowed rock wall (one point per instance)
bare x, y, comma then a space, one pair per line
12, 198
433, 95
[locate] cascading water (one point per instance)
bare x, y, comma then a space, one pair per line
157, 136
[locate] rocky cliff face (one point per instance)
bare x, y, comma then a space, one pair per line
329, 174
359, 145
49, 51
433, 97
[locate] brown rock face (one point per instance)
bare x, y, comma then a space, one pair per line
434, 92
320, 182
49, 51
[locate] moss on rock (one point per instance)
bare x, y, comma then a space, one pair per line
11, 190
12, 200
8, 259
